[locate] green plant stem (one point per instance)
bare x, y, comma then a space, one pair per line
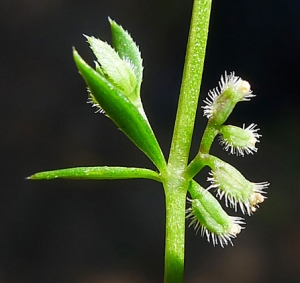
208, 137
190, 87
202, 156
175, 184
196, 165
175, 192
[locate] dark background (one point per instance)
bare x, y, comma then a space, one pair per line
86, 231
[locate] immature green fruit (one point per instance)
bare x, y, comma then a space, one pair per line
221, 102
235, 188
239, 140
208, 216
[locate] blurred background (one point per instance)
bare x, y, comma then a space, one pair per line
67, 231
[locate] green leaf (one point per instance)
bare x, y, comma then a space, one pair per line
122, 111
127, 49
97, 173
118, 71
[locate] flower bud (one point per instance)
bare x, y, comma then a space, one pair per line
207, 215
235, 188
239, 140
221, 101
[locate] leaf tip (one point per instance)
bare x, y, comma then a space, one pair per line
111, 21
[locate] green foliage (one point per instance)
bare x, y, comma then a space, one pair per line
114, 86
122, 111
127, 50
98, 173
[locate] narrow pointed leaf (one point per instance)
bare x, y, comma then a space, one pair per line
97, 173
127, 48
122, 111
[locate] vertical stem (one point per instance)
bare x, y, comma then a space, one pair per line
175, 184
190, 87
175, 229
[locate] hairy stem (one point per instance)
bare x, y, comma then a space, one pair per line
175, 184
175, 191
190, 87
